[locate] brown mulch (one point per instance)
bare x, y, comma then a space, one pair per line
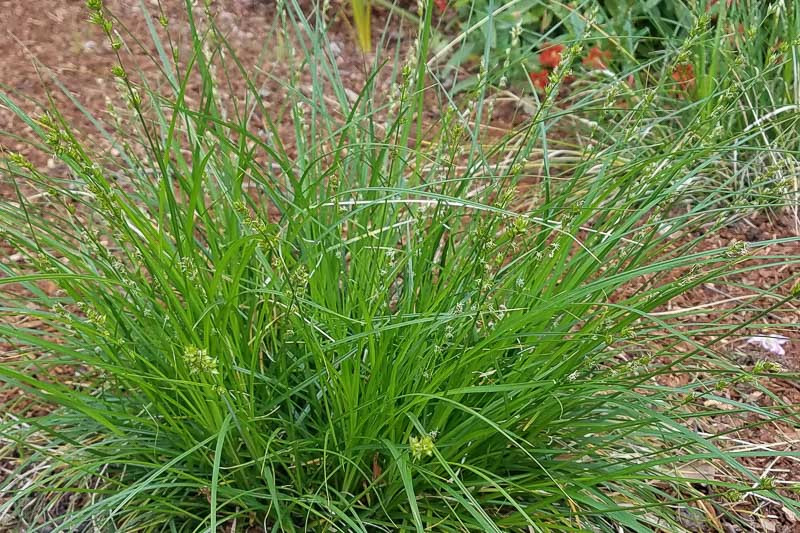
738, 289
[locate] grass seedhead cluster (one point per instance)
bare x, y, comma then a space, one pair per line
376, 325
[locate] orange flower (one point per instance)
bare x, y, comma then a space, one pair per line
596, 58
551, 55
441, 4
684, 76
539, 78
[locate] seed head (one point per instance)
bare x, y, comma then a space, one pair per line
20, 160
737, 248
767, 483
733, 496
766, 367
199, 362
421, 447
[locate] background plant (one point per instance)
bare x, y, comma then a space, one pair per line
372, 325
738, 61
755, 57
741, 88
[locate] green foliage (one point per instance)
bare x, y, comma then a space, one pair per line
738, 62
369, 326
362, 18
751, 51
645, 27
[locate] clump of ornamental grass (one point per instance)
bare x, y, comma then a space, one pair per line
732, 82
759, 52
363, 327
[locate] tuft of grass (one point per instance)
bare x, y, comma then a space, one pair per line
377, 324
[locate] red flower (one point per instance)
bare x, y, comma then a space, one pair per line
596, 58
684, 76
441, 4
728, 4
539, 78
551, 55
